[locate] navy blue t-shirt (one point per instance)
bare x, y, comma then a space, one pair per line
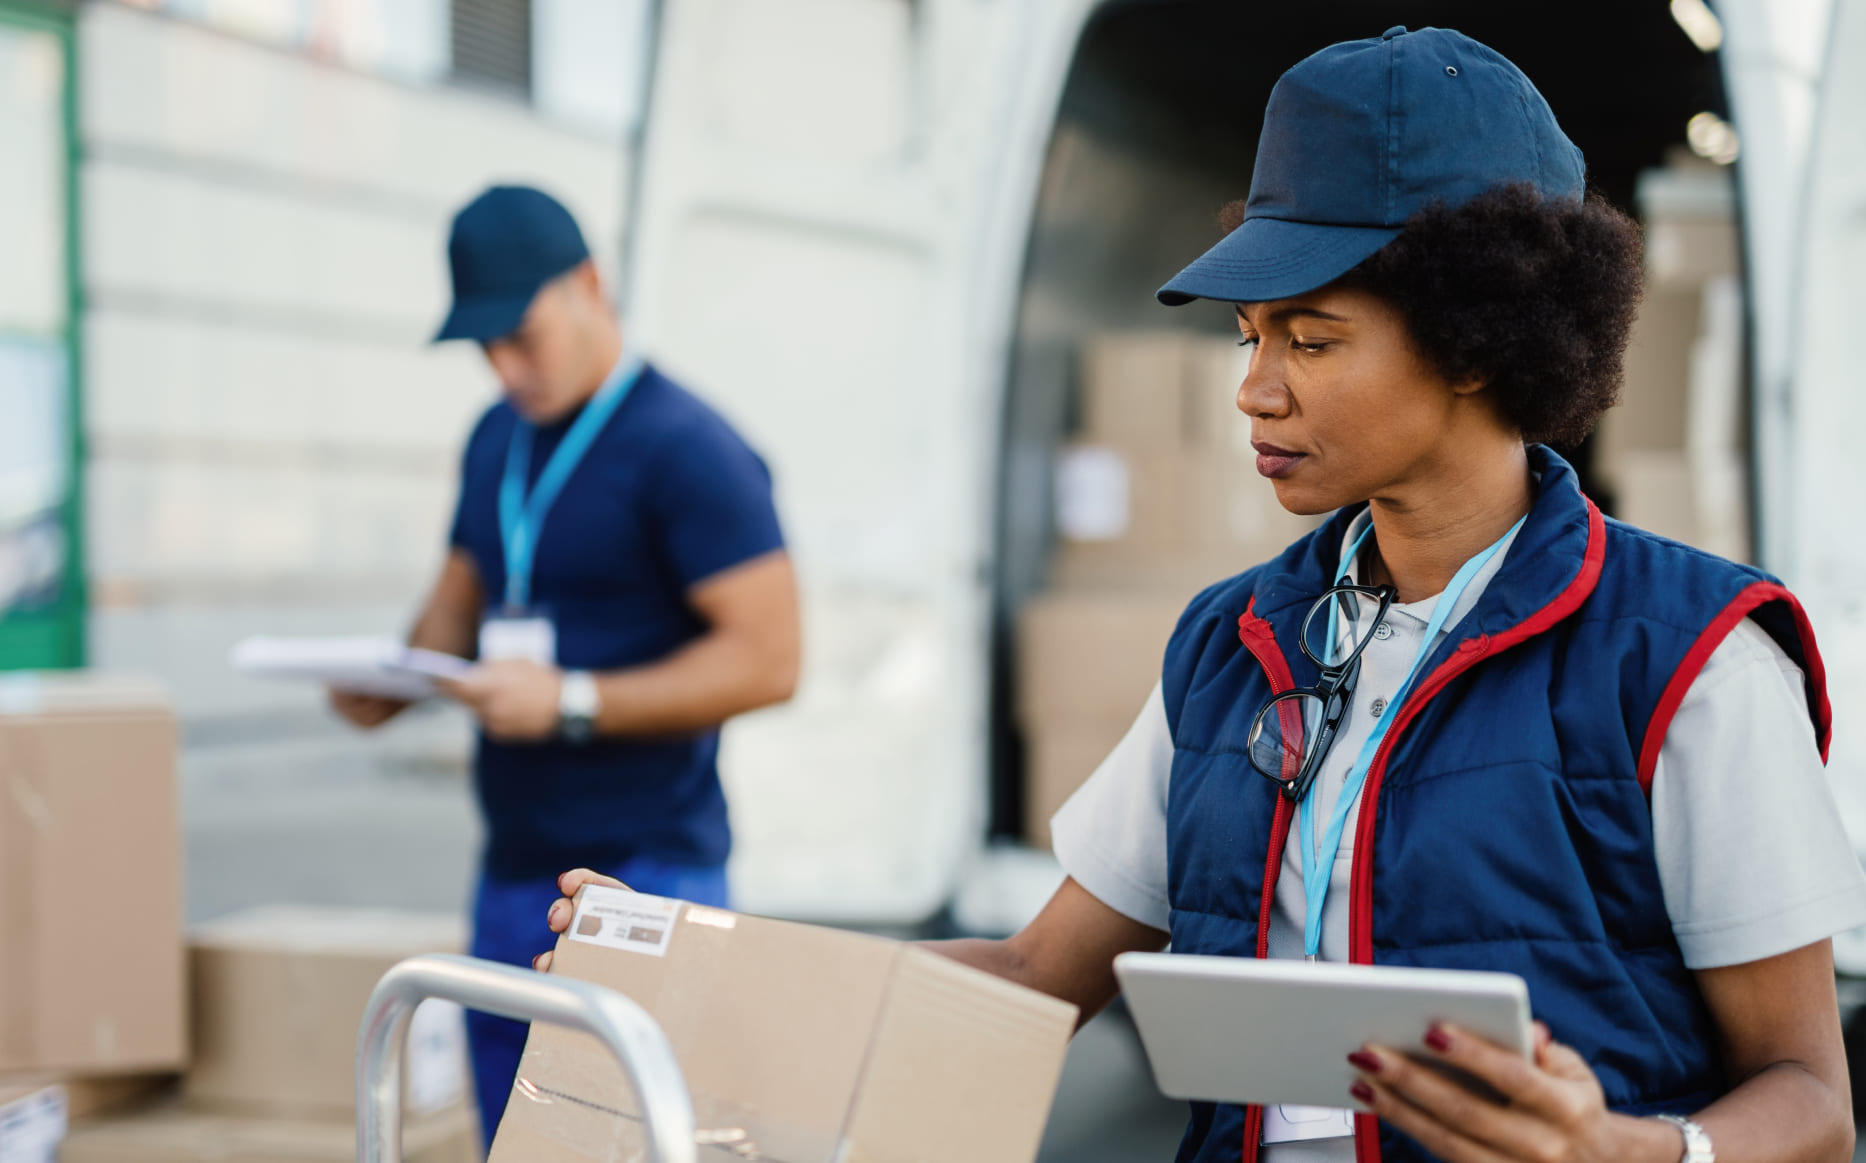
667, 496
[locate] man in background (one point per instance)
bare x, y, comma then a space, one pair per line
617, 569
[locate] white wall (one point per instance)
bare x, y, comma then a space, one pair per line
834, 217
273, 445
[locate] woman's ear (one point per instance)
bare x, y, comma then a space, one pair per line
1471, 385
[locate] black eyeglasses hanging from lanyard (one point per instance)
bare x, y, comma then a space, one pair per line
1293, 732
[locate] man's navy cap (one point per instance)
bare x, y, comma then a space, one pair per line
1362, 135
506, 244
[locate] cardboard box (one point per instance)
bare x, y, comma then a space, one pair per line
1699, 500
1150, 508
172, 1135
799, 1044
1090, 656
1159, 391
91, 957
279, 993
1134, 503
1214, 371
1058, 759
1655, 406
1175, 576
1232, 509
1133, 389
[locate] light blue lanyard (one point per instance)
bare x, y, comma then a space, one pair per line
1316, 870
521, 517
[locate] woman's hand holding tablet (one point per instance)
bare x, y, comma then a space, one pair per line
1239, 1030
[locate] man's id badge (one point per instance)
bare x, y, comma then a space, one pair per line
1291, 1124
531, 637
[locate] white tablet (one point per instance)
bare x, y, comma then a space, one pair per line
1239, 1030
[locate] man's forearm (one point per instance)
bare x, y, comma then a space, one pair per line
449, 622
445, 631
696, 688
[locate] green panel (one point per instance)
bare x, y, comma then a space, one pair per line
43, 627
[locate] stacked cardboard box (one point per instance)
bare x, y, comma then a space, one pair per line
175, 1135
1156, 498
1674, 451
92, 997
277, 997
796, 1042
98, 983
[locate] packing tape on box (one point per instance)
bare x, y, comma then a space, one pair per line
722, 1130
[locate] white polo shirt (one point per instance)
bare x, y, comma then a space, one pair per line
1752, 857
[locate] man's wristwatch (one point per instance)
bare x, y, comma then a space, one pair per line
1697, 1140
578, 703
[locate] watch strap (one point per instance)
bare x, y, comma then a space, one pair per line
1697, 1140
578, 702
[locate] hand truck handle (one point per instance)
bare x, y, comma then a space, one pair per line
631, 1035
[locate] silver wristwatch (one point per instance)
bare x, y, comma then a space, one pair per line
578, 703
1697, 1140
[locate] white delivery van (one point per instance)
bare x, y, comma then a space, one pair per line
875, 231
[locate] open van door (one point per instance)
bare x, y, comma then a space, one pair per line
1812, 499
1796, 71
829, 231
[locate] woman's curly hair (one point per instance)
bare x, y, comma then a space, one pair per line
1534, 295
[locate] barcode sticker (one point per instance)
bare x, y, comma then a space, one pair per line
618, 919
31, 1128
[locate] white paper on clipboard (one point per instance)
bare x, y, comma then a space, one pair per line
365, 665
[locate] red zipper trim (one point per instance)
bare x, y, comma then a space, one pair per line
1259, 638
1468, 654
1752, 598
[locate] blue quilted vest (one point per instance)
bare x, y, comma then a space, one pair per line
1504, 823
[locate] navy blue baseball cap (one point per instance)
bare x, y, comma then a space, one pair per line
506, 244
1362, 135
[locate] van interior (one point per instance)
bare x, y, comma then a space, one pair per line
1156, 130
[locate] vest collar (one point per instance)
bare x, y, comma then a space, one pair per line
1550, 569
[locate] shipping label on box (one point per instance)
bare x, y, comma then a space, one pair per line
1093, 494
630, 921
798, 1044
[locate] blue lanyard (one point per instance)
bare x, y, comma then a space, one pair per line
521, 517
1316, 871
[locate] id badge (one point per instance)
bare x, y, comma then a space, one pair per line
532, 637
1293, 1124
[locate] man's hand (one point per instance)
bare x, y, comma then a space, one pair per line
514, 699
365, 711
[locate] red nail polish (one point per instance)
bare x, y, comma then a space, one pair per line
1362, 1093
1362, 1060
1438, 1039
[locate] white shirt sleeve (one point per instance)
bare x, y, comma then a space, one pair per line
1752, 855
1111, 835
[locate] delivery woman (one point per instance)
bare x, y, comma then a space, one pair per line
1469, 723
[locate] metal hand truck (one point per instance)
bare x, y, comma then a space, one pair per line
631, 1035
